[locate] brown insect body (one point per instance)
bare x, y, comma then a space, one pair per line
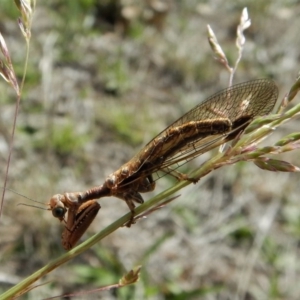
215, 121
80, 219
218, 119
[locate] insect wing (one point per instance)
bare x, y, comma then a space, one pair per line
214, 121
252, 98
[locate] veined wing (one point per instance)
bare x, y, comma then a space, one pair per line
213, 122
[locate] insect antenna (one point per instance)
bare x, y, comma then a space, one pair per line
24, 204
19, 194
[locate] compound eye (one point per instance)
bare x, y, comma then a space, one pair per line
58, 212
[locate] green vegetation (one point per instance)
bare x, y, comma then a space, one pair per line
102, 80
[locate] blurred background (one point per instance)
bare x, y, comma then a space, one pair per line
104, 77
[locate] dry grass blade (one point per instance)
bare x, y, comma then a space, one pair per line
130, 278
7, 71
6, 67
245, 23
217, 49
